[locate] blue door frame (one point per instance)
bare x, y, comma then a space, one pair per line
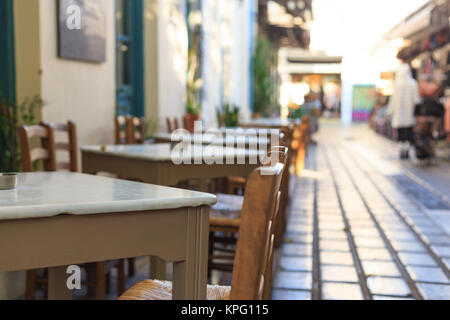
7, 53
130, 58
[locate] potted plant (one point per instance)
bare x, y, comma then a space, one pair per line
192, 115
230, 116
11, 116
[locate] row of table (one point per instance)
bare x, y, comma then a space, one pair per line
59, 219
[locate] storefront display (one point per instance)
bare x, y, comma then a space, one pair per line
364, 101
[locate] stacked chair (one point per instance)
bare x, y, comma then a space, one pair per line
43, 157
252, 269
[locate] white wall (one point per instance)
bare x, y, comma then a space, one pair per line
241, 55
226, 56
212, 61
172, 59
79, 91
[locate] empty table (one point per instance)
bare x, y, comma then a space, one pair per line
219, 139
269, 123
59, 219
162, 164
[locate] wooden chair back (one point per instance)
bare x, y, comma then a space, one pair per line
120, 129
70, 146
256, 238
135, 130
45, 151
279, 220
172, 124
187, 124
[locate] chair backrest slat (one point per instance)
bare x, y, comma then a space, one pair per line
39, 153
120, 129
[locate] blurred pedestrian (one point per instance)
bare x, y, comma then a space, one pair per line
401, 107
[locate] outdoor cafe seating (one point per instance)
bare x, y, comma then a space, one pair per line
246, 224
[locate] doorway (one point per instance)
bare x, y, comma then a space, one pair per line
130, 58
7, 54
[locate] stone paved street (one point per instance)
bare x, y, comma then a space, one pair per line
364, 225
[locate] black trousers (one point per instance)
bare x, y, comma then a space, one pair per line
405, 134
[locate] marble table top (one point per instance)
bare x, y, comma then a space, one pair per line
41, 195
166, 152
207, 138
271, 123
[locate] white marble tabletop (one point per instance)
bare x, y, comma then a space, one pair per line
49, 194
214, 139
165, 152
269, 122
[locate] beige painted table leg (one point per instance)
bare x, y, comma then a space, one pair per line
190, 276
57, 284
158, 269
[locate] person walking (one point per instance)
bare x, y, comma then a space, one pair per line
401, 108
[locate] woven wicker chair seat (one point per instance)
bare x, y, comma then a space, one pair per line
162, 290
227, 210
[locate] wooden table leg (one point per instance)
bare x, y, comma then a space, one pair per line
100, 275
190, 276
57, 284
158, 269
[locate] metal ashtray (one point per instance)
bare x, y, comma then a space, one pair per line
8, 181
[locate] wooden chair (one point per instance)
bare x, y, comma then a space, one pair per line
172, 124
120, 129
225, 218
135, 130
70, 146
299, 145
46, 152
254, 253
236, 183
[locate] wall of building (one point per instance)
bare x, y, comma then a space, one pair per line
79, 91
226, 56
172, 47
28, 55
151, 59
211, 61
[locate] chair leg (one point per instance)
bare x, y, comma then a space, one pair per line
108, 283
31, 285
210, 252
100, 280
131, 267
121, 276
231, 188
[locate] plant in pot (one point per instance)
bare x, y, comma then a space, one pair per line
230, 116
11, 116
265, 83
192, 115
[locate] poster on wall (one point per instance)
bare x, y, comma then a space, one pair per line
82, 30
364, 101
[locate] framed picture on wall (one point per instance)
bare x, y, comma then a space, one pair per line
82, 30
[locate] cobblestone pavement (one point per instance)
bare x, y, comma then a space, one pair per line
362, 225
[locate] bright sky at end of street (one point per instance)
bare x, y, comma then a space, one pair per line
344, 26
